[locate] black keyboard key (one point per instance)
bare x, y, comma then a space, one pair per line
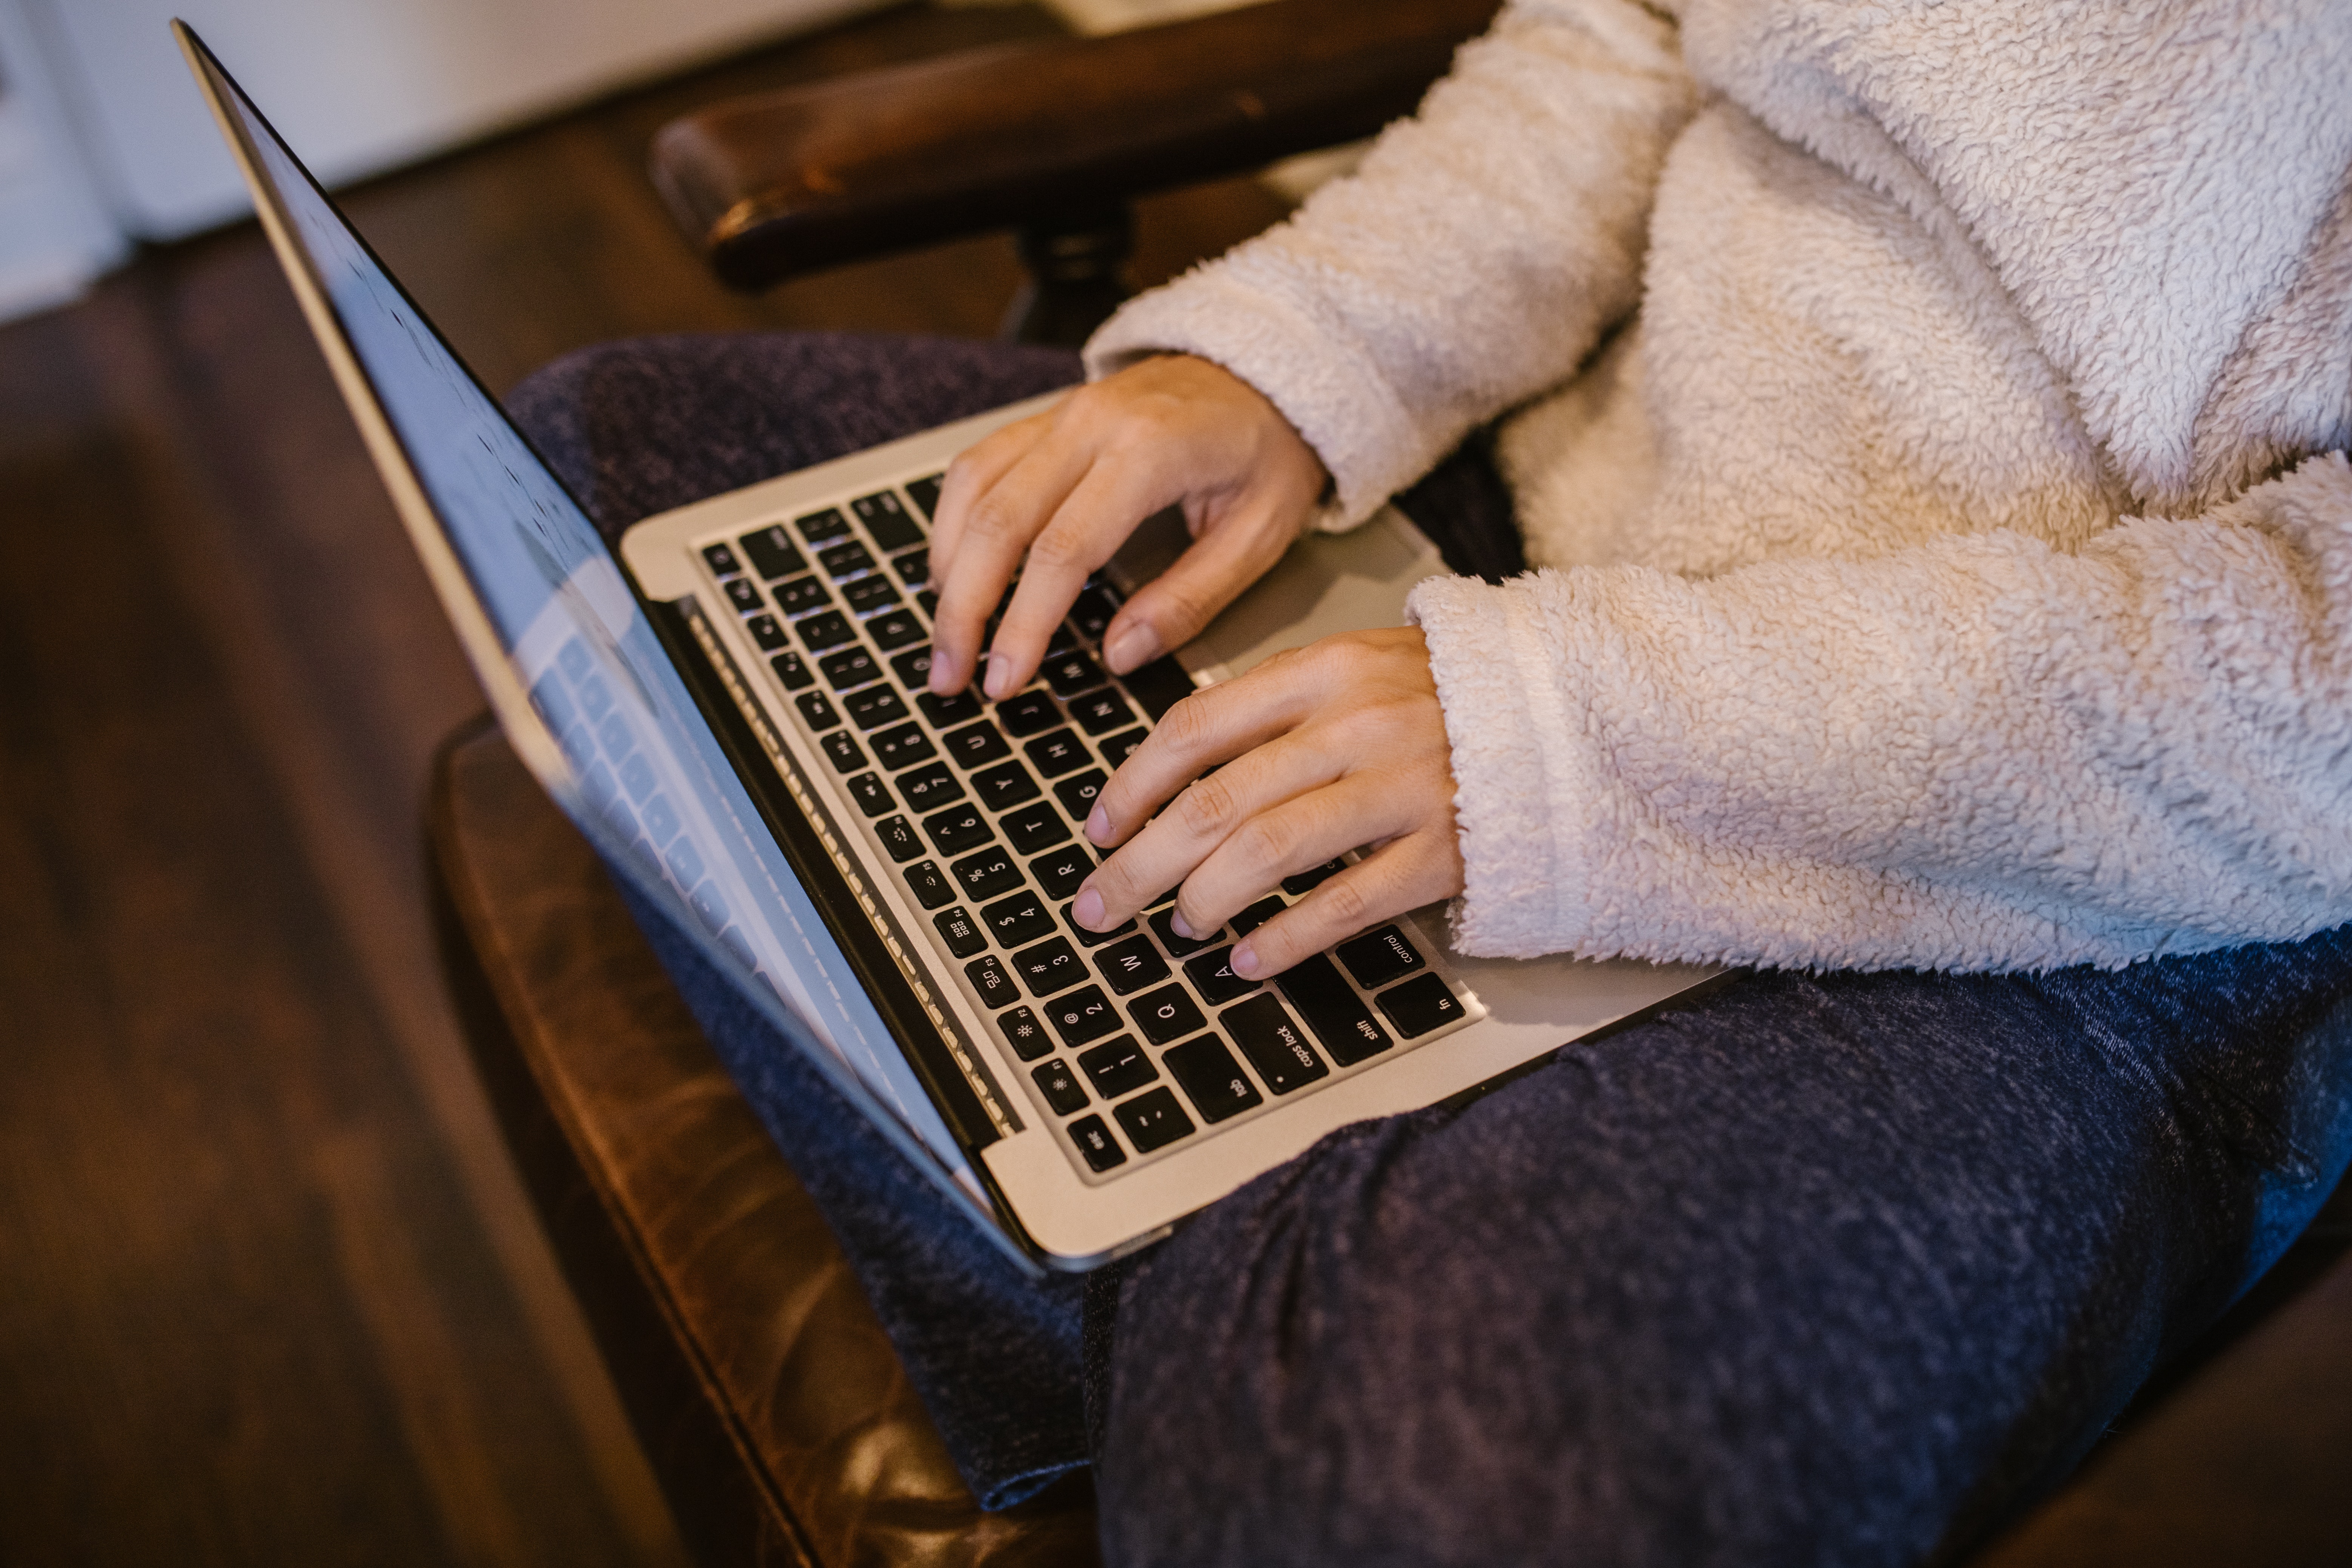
993, 983
1062, 872
866, 595
1273, 1044
822, 527
1379, 956
1213, 978
884, 517
872, 796
1168, 1014
1118, 748
1099, 712
845, 560
1158, 686
876, 706
930, 888
1154, 1120
829, 629
768, 632
1130, 965
1213, 1078
929, 600
1059, 753
1024, 1034
1094, 937
1093, 612
1417, 1006
903, 747
898, 839
1333, 1010
721, 560
1064, 640
975, 745
1259, 913
1314, 877
960, 932
792, 670
1163, 927
1048, 967
957, 829
1018, 920
913, 667
928, 789
946, 712
914, 568
1120, 1067
1094, 1140
850, 668
991, 874
1082, 1016
815, 710
1072, 673
1003, 787
1030, 828
895, 629
1077, 794
1061, 1088
772, 554
1028, 714
842, 749
926, 493
801, 595
745, 595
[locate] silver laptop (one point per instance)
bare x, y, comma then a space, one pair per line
735, 712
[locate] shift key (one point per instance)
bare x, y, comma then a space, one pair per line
1333, 1010
1273, 1044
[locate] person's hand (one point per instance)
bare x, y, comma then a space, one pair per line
1327, 748
1067, 487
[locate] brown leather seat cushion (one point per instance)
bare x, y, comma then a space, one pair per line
770, 1404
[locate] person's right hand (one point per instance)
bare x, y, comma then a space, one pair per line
1063, 489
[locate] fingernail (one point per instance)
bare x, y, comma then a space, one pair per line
1245, 960
997, 681
1176, 923
1098, 824
1129, 646
1087, 908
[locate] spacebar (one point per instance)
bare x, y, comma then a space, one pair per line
1332, 1009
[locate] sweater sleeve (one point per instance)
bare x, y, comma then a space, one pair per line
1475, 257
1980, 753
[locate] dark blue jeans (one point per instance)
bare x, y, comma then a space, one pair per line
1817, 1270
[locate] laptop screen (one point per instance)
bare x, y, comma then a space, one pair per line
639, 765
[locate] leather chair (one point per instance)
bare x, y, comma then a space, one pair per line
770, 1403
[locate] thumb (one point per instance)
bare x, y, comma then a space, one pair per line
1175, 607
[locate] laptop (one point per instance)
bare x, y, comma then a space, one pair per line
734, 711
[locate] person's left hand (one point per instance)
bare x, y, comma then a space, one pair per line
1328, 747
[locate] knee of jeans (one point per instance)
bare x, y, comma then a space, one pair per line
2316, 1122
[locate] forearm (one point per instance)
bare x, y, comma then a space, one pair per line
1477, 255
1980, 753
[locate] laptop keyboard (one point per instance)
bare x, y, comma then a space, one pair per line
1135, 1040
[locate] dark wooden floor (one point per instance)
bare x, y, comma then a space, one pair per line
269, 1293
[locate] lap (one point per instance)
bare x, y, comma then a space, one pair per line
1827, 1268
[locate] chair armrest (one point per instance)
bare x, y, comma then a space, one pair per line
789, 181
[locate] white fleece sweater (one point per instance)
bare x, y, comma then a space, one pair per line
1950, 564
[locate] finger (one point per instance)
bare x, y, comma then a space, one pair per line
996, 534
1199, 821
1305, 829
1211, 726
973, 473
1416, 869
1173, 608
1098, 512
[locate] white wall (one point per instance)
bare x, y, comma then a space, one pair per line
357, 86
54, 233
